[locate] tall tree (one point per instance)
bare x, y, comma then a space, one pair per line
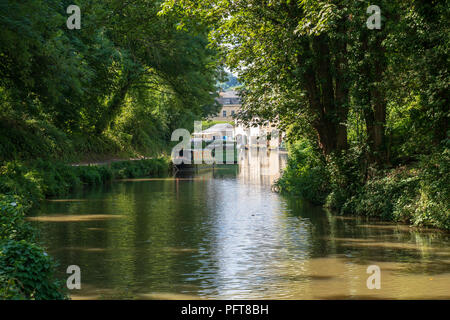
292, 57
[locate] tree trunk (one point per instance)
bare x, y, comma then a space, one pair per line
342, 90
375, 110
114, 105
327, 93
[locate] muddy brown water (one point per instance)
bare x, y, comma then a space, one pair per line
223, 234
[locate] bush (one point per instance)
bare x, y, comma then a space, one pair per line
347, 176
383, 195
27, 272
306, 174
12, 220
42, 178
416, 194
89, 175
141, 168
24, 182
433, 205
31, 139
57, 178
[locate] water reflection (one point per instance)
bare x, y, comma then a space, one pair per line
260, 166
222, 233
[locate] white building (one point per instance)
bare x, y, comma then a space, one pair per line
246, 136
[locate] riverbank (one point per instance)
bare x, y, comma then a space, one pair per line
26, 270
33, 181
415, 193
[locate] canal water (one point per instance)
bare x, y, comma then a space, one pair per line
222, 233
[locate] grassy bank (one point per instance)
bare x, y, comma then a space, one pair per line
36, 180
417, 193
26, 271
23, 140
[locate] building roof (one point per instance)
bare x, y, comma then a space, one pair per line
229, 94
220, 128
229, 98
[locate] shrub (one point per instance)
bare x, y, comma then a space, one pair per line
133, 169
31, 139
433, 205
57, 178
27, 272
17, 179
416, 194
347, 172
89, 175
12, 220
42, 178
382, 195
306, 174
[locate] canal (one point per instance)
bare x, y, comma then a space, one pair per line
222, 233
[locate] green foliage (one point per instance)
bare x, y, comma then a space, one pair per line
27, 272
306, 174
31, 182
56, 177
17, 179
118, 86
32, 139
12, 223
384, 196
415, 194
134, 169
433, 206
348, 173
373, 101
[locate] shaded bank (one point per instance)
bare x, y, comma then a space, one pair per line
417, 193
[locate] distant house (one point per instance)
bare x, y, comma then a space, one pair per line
246, 135
231, 104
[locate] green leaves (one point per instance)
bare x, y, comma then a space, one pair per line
27, 272
81, 82
12, 223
